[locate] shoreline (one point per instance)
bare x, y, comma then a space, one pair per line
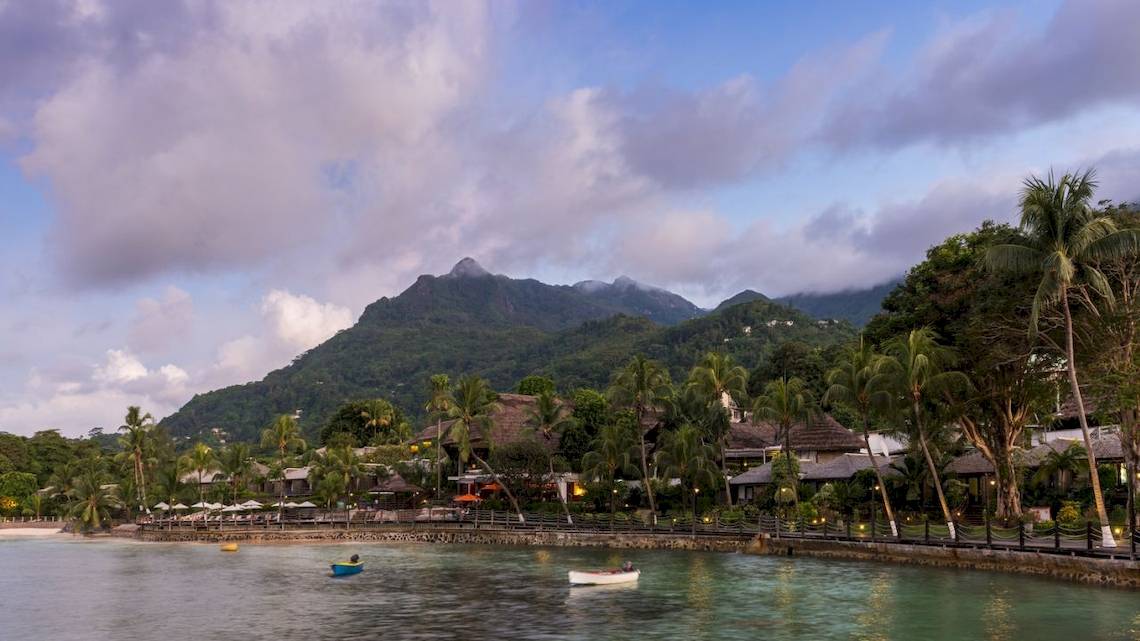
1111, 573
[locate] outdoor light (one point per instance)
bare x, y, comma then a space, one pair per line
993, 482
861, 526
707, 519
415, 448
876, 488
696, 490
615, 490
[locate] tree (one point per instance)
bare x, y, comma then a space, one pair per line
136, 430
372, 421
236, 465
169, 480
439, 402
855, 383
92, 497
640, 386
472, 407
609, 457
284, 437
785, 402
547, 419
380, 418
686, 456
590, 412
1064, 240
915, 371
717, 377
335, 472
201, 460
1063, 466
535, 386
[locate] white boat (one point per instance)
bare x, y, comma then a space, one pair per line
603, 577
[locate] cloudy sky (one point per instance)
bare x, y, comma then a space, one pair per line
194, 193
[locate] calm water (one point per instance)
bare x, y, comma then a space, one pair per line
91, 590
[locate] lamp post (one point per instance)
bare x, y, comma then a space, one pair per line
696, 493
873, 516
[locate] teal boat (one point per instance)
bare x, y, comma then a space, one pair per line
345, 568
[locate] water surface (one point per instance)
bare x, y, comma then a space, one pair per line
93, 590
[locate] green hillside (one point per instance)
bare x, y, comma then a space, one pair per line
493, 326
856, 306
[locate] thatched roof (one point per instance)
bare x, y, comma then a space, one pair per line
821, 434
841, 468
396, 484
1107, 449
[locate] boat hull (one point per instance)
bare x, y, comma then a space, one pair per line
345, 569
603, 577
229, 547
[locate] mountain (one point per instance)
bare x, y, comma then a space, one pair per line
745, 296
856, 306
631, 297
472, 322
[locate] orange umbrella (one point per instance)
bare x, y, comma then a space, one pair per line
491, 487
466, 498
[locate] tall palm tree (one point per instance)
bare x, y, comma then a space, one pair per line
1063, 464
135, 439
855, 383
472, 407
169, 480
1065, 239
236, 465
201, 460
380, 415
785, 402
687, 457
640, 386
609, 456
547, 418
715, 377
93, 499
283, 436
336, 472
916, 371
439, 402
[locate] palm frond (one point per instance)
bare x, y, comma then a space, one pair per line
1018, 259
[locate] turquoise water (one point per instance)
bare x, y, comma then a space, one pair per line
93, 590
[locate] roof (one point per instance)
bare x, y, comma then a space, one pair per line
396, 483
1106, 448
296, 473
841, 468
821, 434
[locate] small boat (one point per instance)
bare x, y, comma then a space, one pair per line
603, 577
345, 568
229, 547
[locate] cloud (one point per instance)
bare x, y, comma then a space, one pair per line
986, 75
301, 322
160, 323
222, 154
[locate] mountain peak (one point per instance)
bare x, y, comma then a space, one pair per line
467, 268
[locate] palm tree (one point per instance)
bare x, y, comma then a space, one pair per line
201, 460
1065, 239
472, 406
915, 371
785, 402
715, 377
170, 480
93, 499
687, 457
855, 383
439, 402
640, 386
549, 417
236, 465
1064, 465
135, 440
379, 414
608, 457
284, 437
335, 473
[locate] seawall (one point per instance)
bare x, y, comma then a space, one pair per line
1121, 573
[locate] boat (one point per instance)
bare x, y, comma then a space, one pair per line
229, 547
603, 577
345, 568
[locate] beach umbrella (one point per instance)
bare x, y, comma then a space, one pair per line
306, 504
251, 505
291, 504
202, 505
277, 504
179, 506
233, 508
161, 506
466, 498
215, 506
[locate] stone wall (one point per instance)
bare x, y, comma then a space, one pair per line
1106, 572
458, 535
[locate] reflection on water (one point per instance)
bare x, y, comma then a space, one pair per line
79, 590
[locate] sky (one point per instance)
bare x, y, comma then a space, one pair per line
192, 193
